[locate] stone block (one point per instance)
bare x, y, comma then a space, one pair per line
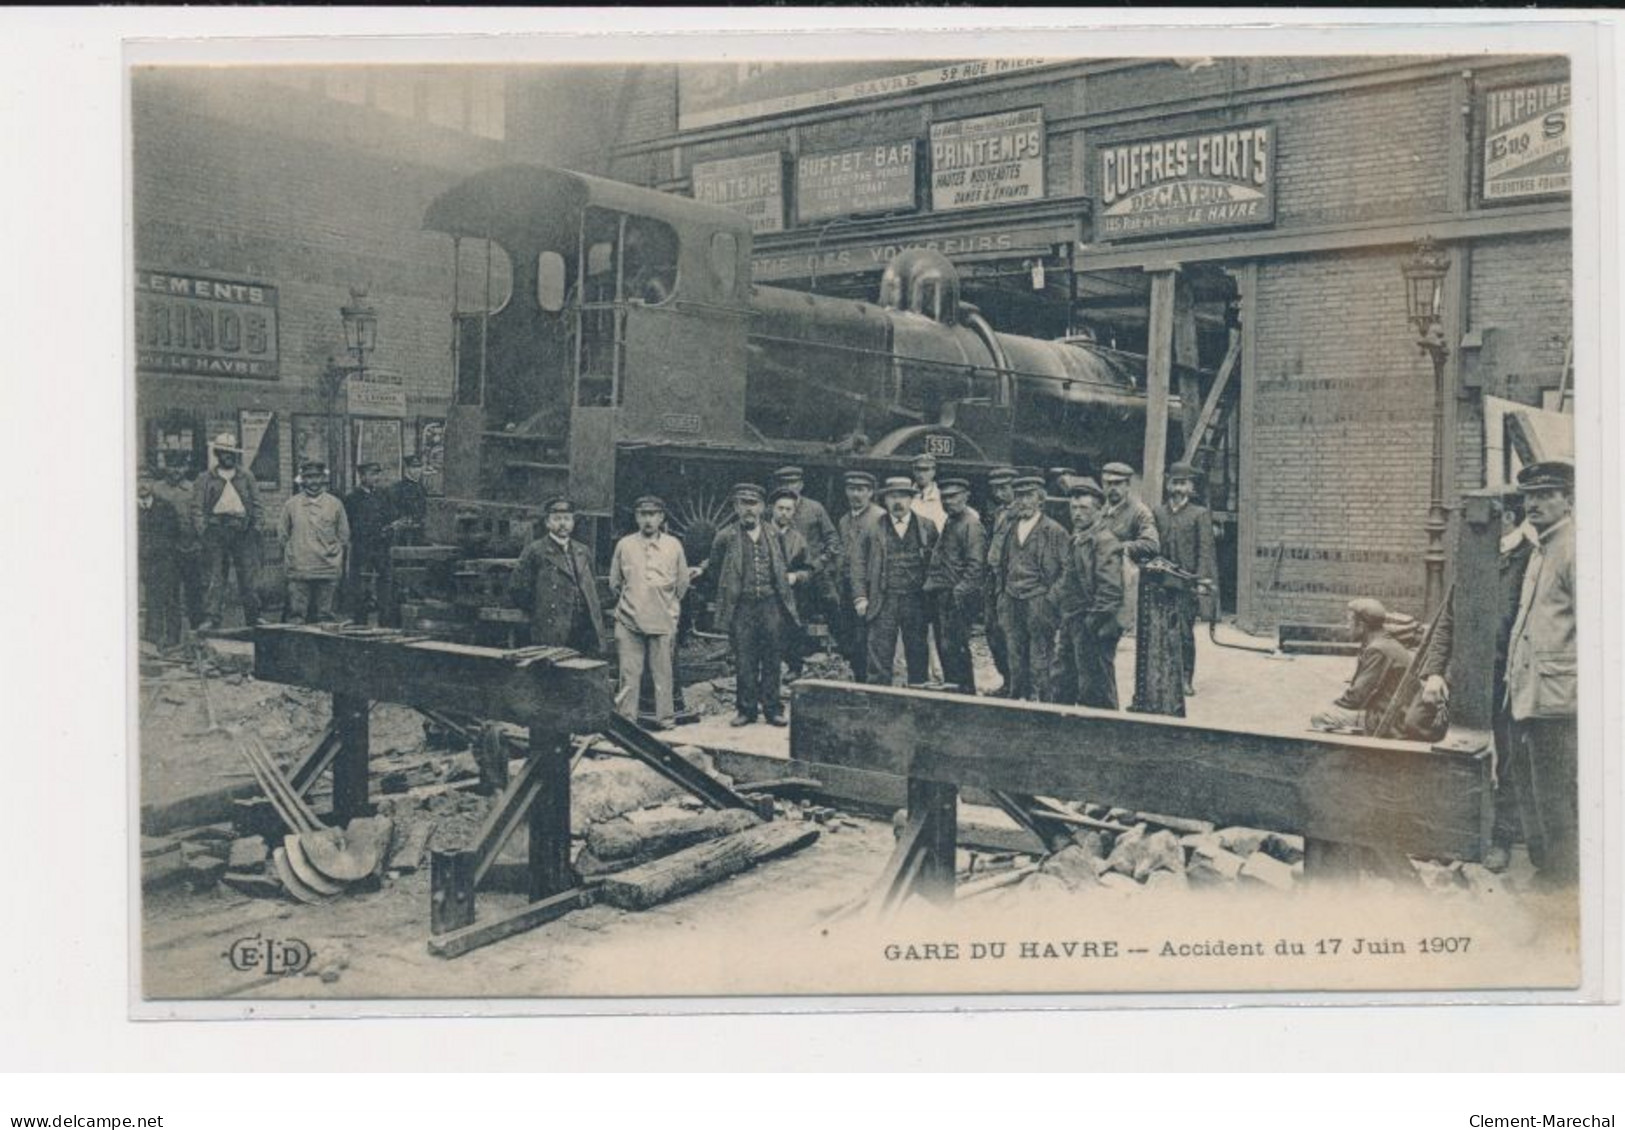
247, 854
1266, 870
1075, 866
1162, 852
1243, 841
1288, 849
1167, 881
1212, 868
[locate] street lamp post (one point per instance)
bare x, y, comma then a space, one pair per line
1425, 273
360, 338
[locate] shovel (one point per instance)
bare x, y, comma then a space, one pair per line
333, 855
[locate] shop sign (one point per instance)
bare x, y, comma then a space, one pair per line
752, 186
855, 182
1526, 141
996, 159
378, 395
205, 326
874, 255
1189, 182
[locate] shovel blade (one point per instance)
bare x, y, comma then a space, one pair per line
291, 882
301, 865
352, 854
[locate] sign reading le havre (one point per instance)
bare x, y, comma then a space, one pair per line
205, 326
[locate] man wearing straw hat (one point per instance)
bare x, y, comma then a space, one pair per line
226, 512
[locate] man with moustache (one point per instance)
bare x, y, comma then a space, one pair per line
315, 537
953, 584
861, 512
894, 557
1003, 497
1031, 558
755, 604
799, 570
226, 511
1091, 595
1135, 528
1186, 533
554, 583
649, 576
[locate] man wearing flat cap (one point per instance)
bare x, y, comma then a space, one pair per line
409, 502
226, 511
369, 512
1030, 560
1541, 676
799, 570
1003, 497
1377, 673
888, 579
1186, 533
649, 576
554, 582
1091, 595
755, 604
927, 496
953, 584
1135, 529
315, 538
861, 512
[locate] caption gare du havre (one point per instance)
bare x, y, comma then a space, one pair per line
1241, 468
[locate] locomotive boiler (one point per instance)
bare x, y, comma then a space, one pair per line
616, 346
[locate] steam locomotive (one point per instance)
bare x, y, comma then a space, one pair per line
628, 353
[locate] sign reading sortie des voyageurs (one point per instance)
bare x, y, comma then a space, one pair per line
205, 327
1188, 182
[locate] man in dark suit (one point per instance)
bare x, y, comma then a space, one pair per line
755, 604
554, 582
1091, 596
999, 511
409, 502
160, 531
1031, 557
816, 599
888, 581
861, 512
1186, 533
367, 508
953, 583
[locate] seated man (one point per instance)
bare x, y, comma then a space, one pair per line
1377, 673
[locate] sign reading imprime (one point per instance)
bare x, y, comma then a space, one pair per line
205, 326
1190, 182
997, 159
855, 182
1526, 141
751, 185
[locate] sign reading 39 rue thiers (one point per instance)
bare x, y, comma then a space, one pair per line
205, 326
1189, 182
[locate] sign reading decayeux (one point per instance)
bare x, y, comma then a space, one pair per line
1189, 182
994, 159
854, 182
1526, 141
205, 326
753, 186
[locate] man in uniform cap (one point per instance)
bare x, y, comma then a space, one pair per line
888, 578
860, 513
1186, 533
1377, 672
159, 535
953, 584
1541, 673
409, 502
649, 576
755, 604
226, 513
1003, 497
174, 486
928, 496
554, 582
1135, 529
369, 512
799, 568
818, 598
1031, 558
315, 538
1091, 595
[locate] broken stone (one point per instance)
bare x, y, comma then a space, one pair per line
1117, 881
410, 844
161, 866
234, 680
1162, 852
1126, 852
203, 871
1243, 841
1074, 866
1439, 876
1202, 843
1267, 871
1481, 880
1288, 849
1166, 881
259, 886
1211, 867
247, 854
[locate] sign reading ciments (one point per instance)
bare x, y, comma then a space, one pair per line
1189, 182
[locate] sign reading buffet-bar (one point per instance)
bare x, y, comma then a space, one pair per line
205, 326
854, 182
1189, 182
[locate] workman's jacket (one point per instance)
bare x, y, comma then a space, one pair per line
727, 563
370, 513
1542, 663
550, 582
1030, 571
851, 526
210, 486
160, 532
180, 497
1091, 585
1377, 675
1186, 537
869, 567
315, 536
813, 523
959, 560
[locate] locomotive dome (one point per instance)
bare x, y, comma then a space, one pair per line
922, 280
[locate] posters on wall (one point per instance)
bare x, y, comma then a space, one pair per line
430, 437
992, 159
1526, 141
378, 441
310, 440
261, 443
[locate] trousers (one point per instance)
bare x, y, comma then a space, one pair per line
161, 590
854, 639
1094, 659
995, 641
757, 634
1545, 770
1029, 636
953, 627
635, 649
310, 601
230, 546
901, 614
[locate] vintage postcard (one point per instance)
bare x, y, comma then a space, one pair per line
1008, 522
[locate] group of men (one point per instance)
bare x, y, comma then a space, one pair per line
196, 536
1532, 682
910, 566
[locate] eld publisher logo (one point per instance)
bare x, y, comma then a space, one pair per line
274, 957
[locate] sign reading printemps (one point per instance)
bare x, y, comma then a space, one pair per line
996, 159
1526, 141
205, 326
753, 186
1190, 182
855, 182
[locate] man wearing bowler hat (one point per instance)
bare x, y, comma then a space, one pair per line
649, 575
861, 512
1091, 594
315, 537
1031, 558
554, 582
953, 584
1003, 497
888, 579
755, 604
226, 512
1541, 679
1186, 533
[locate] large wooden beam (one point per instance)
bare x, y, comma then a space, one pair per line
1159, 368
1431, 802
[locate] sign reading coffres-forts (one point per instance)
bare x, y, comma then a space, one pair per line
1189, 182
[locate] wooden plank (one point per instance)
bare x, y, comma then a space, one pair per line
704, 864
1210, 406
937, 805
316, 761
1159, 366
459, 942
472, 681
1477, 608
451, 890
1429, 802
550, 871
350, 770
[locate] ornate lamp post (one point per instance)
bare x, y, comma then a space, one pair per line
360, 338
1425, 273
